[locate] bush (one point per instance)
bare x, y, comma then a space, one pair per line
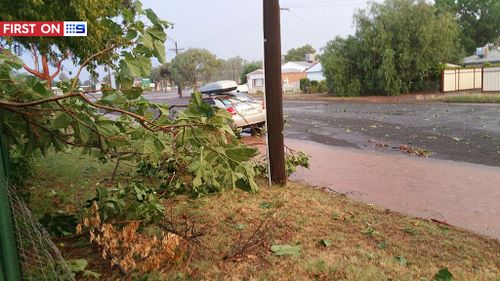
313, 86
20, 166
318, 87
305, 84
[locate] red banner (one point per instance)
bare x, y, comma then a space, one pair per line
31, 28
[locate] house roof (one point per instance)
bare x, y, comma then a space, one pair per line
255, 72
315, 67
295, 66
492, 57
303, 63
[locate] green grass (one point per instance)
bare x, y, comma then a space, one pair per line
63, 182
365, 242
481, 98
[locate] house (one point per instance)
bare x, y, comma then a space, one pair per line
256, 81
315, 72
483, 56
291, 74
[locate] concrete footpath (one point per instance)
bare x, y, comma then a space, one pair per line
461, 194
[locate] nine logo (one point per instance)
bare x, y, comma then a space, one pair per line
75, 28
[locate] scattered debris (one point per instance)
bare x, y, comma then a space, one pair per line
379, 144
418, 151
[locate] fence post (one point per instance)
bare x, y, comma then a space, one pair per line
10, 268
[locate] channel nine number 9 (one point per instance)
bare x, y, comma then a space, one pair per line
75, 28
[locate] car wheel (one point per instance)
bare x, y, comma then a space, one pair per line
257, 130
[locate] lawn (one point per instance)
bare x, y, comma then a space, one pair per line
473, 98
281, 233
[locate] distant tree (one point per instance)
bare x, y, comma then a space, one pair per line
398, 47
479, 20
162, 75
248, 68
63, 77
299, 54
231, 69
195, 65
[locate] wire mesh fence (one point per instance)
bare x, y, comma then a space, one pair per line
40, 259
26, 250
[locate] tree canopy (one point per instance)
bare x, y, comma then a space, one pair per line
231, 69
194, 66
479, 20
299, 54
103, 31
398, 47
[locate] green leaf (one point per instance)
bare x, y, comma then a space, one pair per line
241, 153
91, 274
147, 40
133, 93
41, 89
131, 34
401, 260
382, 246
266, 205
286, 250
326, 243
62, 121
443, 275
138, 65
77, 266
151, 15
160, 51
85, 133
157, 32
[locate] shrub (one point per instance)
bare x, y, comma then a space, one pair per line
305, 84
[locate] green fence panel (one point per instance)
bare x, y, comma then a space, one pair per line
9, 256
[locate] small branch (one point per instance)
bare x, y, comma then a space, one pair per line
114, 171
89, 59
38, 102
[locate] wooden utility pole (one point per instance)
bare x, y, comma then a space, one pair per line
274, 93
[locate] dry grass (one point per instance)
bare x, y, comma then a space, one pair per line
473, 98
365, 240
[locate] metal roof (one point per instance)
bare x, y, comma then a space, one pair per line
492, 57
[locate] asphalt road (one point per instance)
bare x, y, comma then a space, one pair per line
465, 133
460, 132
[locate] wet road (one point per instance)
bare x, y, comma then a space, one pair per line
460, 132
465, 133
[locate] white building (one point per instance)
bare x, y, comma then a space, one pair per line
256, 81
315, 72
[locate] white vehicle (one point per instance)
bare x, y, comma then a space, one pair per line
242, 89
246, 111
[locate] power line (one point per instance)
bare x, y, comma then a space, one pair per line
325, 4
308, 23
223, 34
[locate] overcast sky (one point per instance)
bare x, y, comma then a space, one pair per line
230, 28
